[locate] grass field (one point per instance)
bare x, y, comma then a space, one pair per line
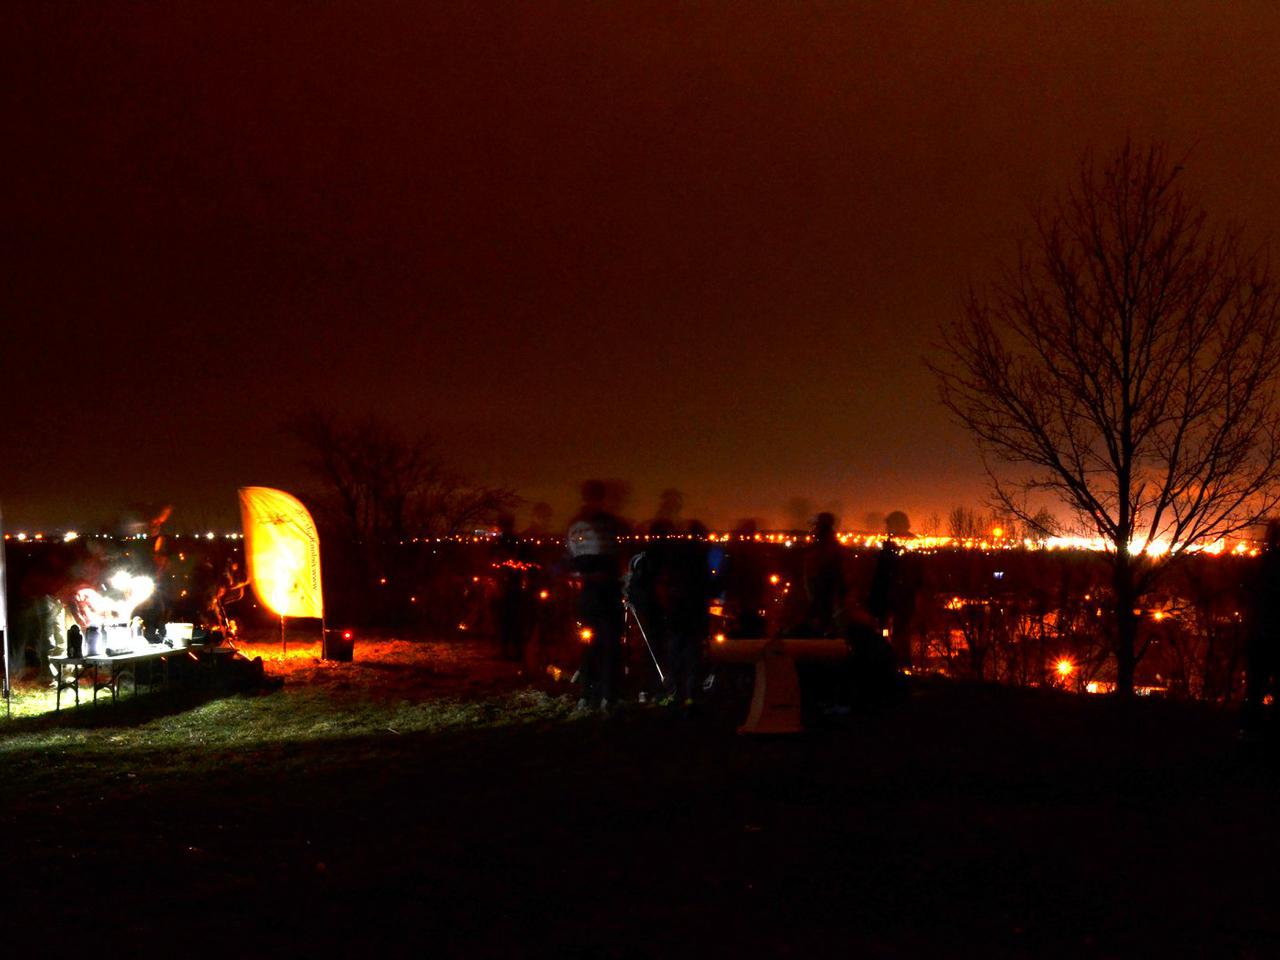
429, 800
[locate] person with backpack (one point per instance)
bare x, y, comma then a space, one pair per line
592, 543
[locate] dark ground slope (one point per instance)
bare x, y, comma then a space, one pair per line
968, 821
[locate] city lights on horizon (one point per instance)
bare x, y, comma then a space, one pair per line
995, 541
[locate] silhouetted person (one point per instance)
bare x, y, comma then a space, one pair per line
228, 589
883, 580
872, 668
592, 543
643, 575
824, 578
684, 589
75, 642
510, 564
744, 578
1263, 649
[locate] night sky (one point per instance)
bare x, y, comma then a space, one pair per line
701, 246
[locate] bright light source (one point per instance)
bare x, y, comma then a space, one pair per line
69, 536
997, 531
720, 638
543, 594
585, 634
1065, 667
1158, 615
774, 578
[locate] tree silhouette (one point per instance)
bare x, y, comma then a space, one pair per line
964, 523
1126, 366
385, 485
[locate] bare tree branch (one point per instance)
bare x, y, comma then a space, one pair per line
1126, 367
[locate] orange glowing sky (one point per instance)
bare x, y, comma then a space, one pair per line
701, 246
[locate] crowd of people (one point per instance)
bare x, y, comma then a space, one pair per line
653, 594
655, 586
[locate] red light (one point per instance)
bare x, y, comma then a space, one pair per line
346, 634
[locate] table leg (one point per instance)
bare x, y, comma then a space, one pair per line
57, 697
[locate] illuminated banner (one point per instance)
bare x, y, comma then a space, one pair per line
282, 548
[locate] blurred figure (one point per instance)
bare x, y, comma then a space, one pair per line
684, 590
540, 519
229, 589
592, 543
646, 608
824, 579
511, 565
1263, 649
544, 629
744, 577
670, 507
872, 668
880, 601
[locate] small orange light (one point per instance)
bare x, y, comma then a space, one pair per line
543, 594
997, 532
346, 634
774, 578
720, 638
585, 634
1065, 667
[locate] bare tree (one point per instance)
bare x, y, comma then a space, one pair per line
963, 523
1126, 366
386, 486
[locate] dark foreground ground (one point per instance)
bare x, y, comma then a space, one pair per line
968, 821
